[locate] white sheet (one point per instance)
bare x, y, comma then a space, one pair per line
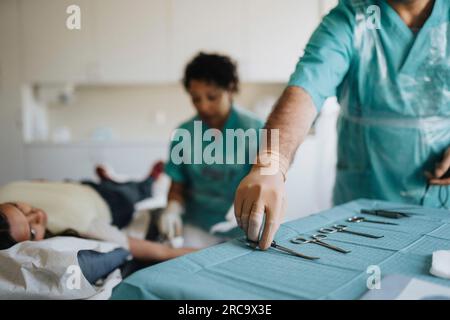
49, 269
441, 264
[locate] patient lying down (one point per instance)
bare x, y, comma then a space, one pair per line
21, 222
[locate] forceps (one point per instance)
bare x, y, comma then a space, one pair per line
275, 245
343, 228
317, 239
361, 219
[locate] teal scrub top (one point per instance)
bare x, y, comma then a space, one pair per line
393, 88
210, 187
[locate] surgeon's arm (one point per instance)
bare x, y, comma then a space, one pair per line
260, 194
293, 116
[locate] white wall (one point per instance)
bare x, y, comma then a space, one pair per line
11, 146
128, 101
311, 177
149, 41
139, 113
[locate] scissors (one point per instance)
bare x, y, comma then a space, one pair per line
317, 239
361, 219
343, 228
275, 245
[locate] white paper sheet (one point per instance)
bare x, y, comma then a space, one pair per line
49, 269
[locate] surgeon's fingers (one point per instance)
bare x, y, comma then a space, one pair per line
443, 167
178, 228
162, 227
238, 202
273, 216
255, 220
433, 180
171, 230
440, 182
245, 215
440, 178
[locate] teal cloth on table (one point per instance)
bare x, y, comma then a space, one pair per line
234, 271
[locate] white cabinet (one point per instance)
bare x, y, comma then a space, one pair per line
119, 41
277, 32
132, 40
51, 52
150, 41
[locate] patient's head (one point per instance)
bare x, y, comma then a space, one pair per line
20, 222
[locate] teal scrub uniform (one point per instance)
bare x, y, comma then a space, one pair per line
393, 87
210, 188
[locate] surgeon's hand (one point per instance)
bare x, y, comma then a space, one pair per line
170, 223
441, 175
260, 194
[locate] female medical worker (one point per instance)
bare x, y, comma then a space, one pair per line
203, 189
392, 79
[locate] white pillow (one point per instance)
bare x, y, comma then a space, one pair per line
68, 205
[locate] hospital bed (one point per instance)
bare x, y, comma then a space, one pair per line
234, 271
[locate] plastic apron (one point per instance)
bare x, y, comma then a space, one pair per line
395, 118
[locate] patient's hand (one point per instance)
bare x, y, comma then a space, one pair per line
150, 251
182, 251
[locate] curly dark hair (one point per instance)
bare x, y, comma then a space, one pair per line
6, 241
216, 69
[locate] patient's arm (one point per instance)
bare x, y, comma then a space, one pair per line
143, 250
148, 251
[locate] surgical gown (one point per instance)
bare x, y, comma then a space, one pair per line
393, 87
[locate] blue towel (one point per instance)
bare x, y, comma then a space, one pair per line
233, 271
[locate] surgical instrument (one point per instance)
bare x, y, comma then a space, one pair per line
361, 219
317, 239
275, 245
386, 213
343, 228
